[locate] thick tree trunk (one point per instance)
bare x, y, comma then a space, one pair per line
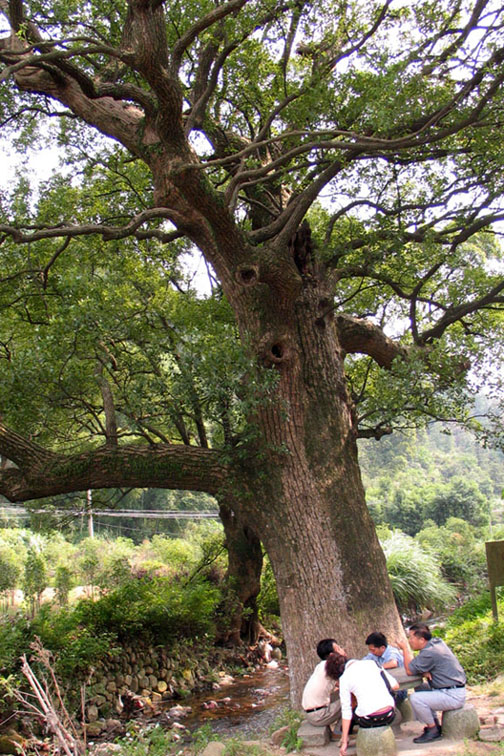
307, 501
244, 577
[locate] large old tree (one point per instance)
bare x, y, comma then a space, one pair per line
333, 162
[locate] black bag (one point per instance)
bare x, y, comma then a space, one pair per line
376, 720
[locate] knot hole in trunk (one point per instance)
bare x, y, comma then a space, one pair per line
247, 275
275, 352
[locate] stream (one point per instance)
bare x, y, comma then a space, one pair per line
245, 706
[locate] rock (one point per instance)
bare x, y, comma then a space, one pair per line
92, 713
113, 725
178, 726
215, 748
277, 737
492, 734
313, 736
106, 749
98, 700
94, 728
12, 742
460, 723
176, 712
209, 705
376, 741
404, 708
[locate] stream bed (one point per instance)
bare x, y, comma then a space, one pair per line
246, 706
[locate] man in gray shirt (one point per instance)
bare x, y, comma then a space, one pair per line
446, 677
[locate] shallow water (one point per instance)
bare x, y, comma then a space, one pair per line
246, 706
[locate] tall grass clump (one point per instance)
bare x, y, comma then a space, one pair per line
417, 582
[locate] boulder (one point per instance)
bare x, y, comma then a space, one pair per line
277, 736
215, 748
312, 736
375, 741
461, 723
404, 707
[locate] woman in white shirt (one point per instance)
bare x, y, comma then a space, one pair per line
364, 680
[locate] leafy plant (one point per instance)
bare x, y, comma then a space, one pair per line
476, 639
415, 576
150, 741
291, 719
202, 737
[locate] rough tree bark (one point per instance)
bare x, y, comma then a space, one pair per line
244, 578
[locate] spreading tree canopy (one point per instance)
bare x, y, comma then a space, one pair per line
339, 165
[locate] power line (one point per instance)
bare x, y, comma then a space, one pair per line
173, 514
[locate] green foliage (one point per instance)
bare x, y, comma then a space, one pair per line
415, 576
156, 608
203, 736
35, 576
291, 719
459, 550
9, 572
63, 583
15, 637
76, 645
430, 475
476, 639
268, 596
152, 740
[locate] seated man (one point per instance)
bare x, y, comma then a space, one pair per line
446, 676
388, 657
320, 697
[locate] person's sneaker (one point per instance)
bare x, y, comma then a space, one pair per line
430, 733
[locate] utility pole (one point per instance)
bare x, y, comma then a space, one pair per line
90, 513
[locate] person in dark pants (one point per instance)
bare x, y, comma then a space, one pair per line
370, 687
436, 662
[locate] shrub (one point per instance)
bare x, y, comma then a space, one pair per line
268, 597
415, 576
476, 639
153, 607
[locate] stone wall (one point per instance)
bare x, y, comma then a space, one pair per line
148, 674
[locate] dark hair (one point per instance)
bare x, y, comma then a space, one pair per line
325, 647
376, 639
335, 665
421, 630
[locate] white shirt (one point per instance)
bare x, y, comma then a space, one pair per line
363, 679
318, 689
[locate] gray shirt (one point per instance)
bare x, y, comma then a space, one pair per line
436, 658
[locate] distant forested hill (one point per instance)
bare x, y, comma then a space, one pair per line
431, 474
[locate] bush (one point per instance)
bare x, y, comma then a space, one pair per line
459, 549
156, 608
268, 596
476, 639
415, 576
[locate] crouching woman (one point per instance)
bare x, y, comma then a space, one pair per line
363, 682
